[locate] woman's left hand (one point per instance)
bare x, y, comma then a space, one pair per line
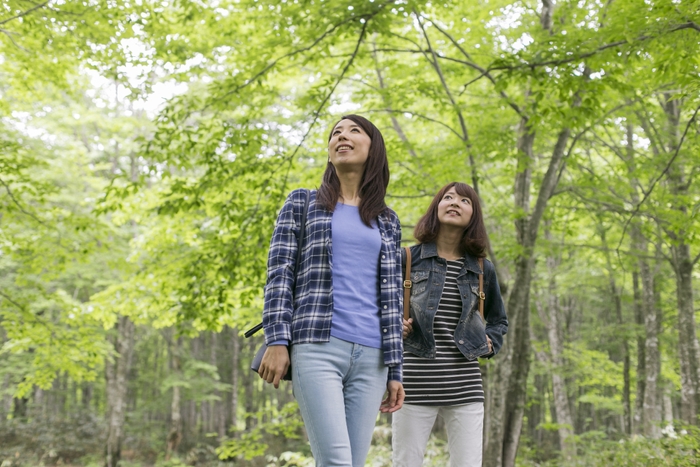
407, 327
488, 340
394, 398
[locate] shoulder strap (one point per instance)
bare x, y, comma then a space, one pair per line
300, 239
407, 284
482, 296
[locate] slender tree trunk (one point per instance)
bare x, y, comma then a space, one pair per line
87, 389
616, 293
688, 349
116, 373
249, 392
216, 406
641, 356
509, 404
175, 432
682, 263
556, 349
667, 408
235, 357
651, 404
493, 452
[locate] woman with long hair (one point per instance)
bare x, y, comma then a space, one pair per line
446, 333
341, 313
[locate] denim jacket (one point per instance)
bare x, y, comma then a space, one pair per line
428, 273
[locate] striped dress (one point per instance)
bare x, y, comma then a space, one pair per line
449, 378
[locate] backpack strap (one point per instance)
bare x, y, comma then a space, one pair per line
407, 284
482, 296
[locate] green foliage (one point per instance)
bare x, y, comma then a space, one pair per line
285, 423
110, 208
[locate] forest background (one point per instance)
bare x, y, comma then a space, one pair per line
146, 146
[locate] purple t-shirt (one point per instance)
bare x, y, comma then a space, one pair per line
355, 269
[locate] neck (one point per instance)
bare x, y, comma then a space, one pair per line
449, 243
349, 187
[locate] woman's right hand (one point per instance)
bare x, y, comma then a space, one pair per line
274, 364
407, 327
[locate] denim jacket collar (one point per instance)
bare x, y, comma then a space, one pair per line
429, 250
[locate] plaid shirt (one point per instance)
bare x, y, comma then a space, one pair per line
308, 319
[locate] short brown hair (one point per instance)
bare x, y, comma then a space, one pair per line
475, 241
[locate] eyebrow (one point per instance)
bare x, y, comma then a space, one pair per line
354, 125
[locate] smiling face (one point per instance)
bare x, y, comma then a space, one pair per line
454, 209
348, 146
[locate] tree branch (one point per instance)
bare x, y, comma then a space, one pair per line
26, 313
394, 121
421, 116
9, 35
24, 13
252, 218
465, 133
656, 180
553, 62
272, 64
695, 260
485, 72
19, 206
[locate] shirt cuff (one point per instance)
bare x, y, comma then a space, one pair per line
284, 342
396, 373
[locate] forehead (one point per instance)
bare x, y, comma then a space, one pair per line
452, 191
346, 124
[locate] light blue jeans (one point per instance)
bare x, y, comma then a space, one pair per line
339, 387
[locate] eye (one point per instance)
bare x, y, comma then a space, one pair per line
356, 130
466, 200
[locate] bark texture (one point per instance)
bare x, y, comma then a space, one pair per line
116, 373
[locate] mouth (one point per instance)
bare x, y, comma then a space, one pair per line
343, 147
452, 211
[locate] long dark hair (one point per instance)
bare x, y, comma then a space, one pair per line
375, 177
475, 241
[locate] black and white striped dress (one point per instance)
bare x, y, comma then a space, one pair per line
449, 378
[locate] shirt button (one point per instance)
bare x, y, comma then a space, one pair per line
385, 307
461, 341
385, 329
383, 256
384, 281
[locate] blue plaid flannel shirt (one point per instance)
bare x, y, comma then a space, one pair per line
308, 319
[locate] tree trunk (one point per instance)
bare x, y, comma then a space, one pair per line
688, 349
616, 293
218, 416
556, 349
116, 373
87, 389
651, 406
495, 437
235, 357
682, 263
641, 355
511, 380
249, 391
175, 432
